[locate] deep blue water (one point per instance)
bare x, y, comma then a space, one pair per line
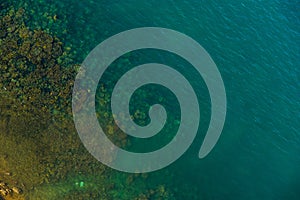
256, 46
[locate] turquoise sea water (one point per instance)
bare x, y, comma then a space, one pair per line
256, 46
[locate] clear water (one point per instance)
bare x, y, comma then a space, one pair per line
256, 46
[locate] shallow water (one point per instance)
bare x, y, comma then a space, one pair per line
256, 46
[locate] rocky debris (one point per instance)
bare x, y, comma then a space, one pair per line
6, 190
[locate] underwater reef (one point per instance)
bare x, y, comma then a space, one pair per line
31, 66
41, 155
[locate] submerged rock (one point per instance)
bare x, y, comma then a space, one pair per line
29, 66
